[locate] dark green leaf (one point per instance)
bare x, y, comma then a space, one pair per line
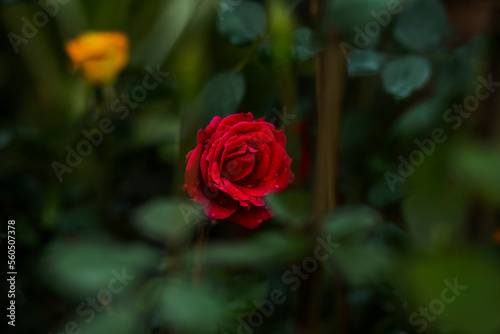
435, 209
305, 44
241, 22
365, 63
192, 308
222, 95
165, 219
478, 168
302, 44
241, 293
421, 26
420, 119
77, 269
350, 14
266, 250
351, 223
381, 195
404, 75
363, 263
290, 207
463, 285
122, 321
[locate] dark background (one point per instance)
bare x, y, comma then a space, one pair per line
405, 228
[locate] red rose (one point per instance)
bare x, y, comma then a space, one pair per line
237, 161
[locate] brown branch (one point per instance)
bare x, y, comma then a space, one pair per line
330, 74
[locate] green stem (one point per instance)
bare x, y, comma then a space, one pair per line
243, 62
103, 97
201, 241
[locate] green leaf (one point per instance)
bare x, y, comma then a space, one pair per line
79, 269
478, 168
305, 44
363, 263
421, 26
243, 22
419, 119
391, 235
122, 321
465, 283
404, 75
300, 45
192, 308
290, 207
240, 294
151, 128
79, 219
380, 195
222, 95
349, 14
263, 250
435, 210
166, 219
365, 63
351, 223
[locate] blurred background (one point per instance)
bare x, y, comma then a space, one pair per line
393, 106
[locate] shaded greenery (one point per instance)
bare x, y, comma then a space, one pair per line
401, 228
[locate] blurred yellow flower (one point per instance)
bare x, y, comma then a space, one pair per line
100, 56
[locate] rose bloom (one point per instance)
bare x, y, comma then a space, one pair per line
238, 161
99, 55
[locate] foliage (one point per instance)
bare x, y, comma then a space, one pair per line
417, 179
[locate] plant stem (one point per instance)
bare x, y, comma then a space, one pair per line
201, 241
243, 62
330, 74
103, 97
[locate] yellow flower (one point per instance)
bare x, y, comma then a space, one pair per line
100, 56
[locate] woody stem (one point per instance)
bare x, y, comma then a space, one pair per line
330, 72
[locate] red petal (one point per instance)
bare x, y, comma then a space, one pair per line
193, 172
220, 207
277, 154
238, 193
285, 175
280, 137
251, 218
245, 127
239, 167
234, 119
262, 165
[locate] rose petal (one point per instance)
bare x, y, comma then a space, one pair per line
234, 119
263, 162
285, 174
220, 207
239, 167
238, 193
246, 127
280, 137
251, 218
192, 174
234, 151
213, 206
277, 154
